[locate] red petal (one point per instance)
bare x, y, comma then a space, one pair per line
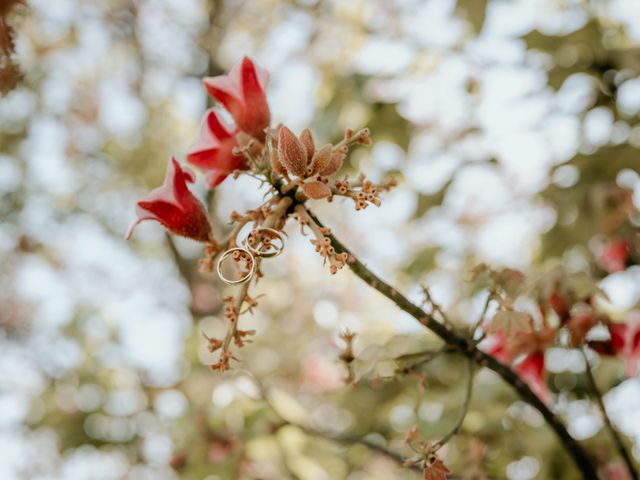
225, 91
174, 206
217, 127
531, 369
242, 94
256, 114
618, 333
213, 150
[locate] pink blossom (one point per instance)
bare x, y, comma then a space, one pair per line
242, 93
213, 150
174, 206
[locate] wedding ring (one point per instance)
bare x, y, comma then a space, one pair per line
246, 277
272, 250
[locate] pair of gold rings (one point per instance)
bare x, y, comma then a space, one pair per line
261, 242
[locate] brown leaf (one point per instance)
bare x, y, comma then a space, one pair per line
509, 322
436, 471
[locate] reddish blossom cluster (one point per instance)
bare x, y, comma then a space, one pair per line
527, 347
242, 93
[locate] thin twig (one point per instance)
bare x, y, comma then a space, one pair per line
435, 306
617, 439
465, 408
481, 318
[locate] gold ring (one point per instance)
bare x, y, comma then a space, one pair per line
274, 234
245, 278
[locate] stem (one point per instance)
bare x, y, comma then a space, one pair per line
467, 347
239, 300
482, 314
465, 408
348, 141
241, 296
434, 306
612, 431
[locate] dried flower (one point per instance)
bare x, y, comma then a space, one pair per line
174, 206
242, 93
435, 470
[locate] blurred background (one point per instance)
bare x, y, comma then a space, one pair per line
512, 128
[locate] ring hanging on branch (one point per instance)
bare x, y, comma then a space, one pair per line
265, 242
237, 253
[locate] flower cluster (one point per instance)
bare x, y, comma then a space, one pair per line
295, 166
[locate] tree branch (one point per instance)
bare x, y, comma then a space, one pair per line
467, 347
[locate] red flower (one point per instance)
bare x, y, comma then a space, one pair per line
174, 206
242, 93
213, 150
613, 256
625, 341
531, 369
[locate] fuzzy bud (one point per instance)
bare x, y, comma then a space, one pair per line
321, 160
316, 190
337, 157
306, 137
292, 153
276, 166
